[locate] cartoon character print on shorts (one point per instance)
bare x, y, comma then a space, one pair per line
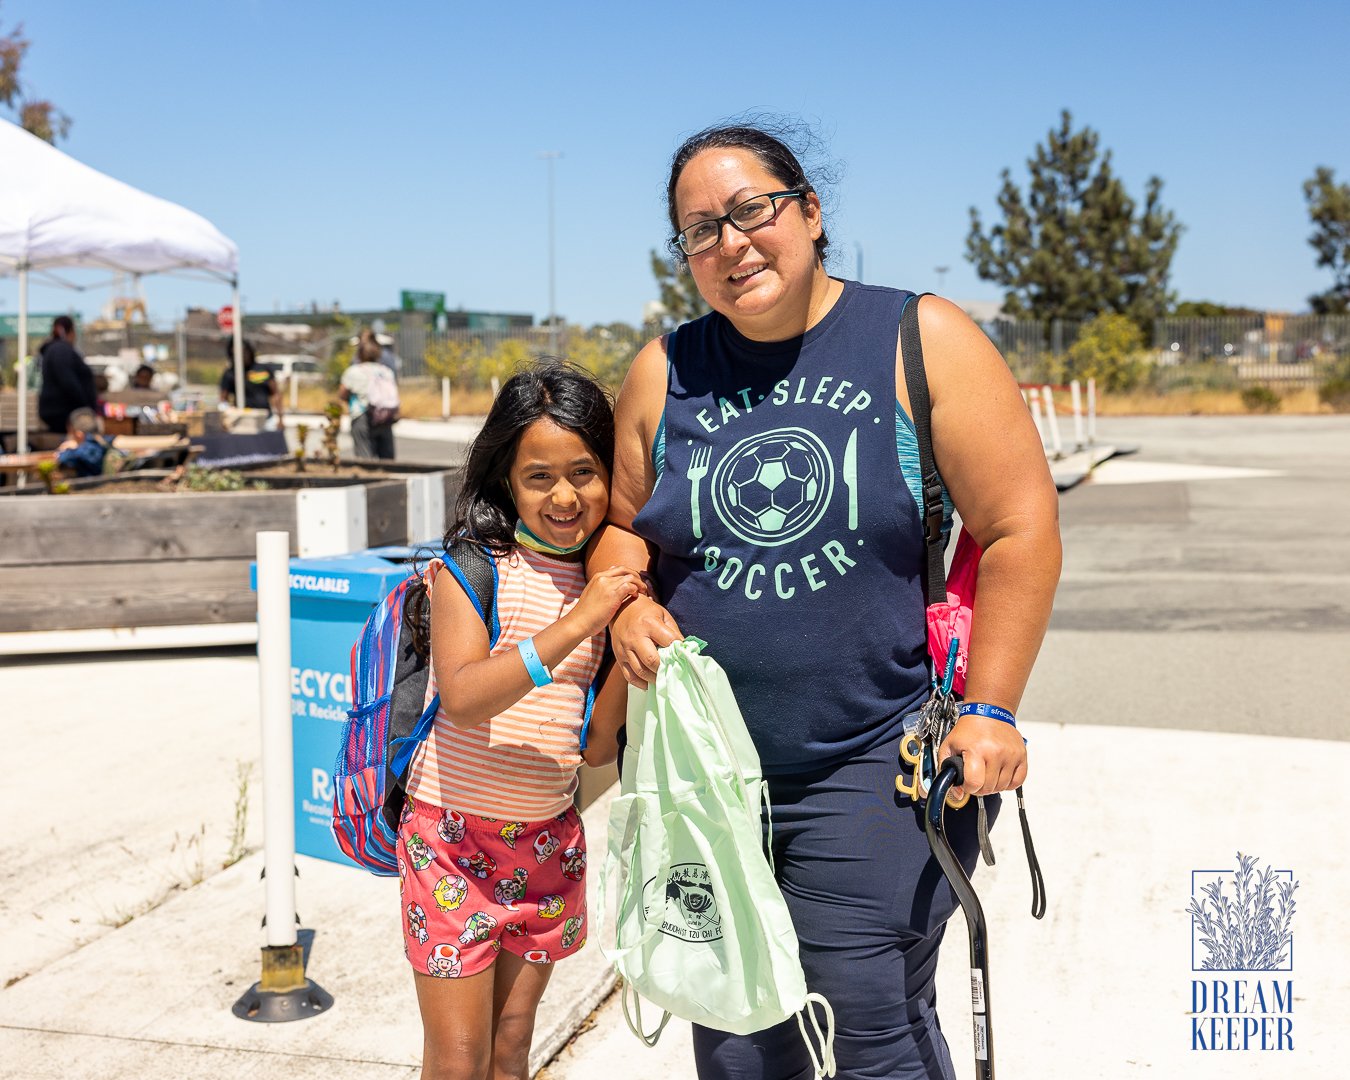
516, 929
551, 906
571, 928
479, 864
407, 813
573, 861
450, 892
545, 844
536, 956
509, 890
450, 828
402, 873
443, 962
419, 852
477, 927
510, 831
417, 923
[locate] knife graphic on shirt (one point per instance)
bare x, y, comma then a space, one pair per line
851, 478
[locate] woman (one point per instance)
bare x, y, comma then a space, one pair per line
368, 390
785, 533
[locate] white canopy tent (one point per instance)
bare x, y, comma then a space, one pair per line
56, 212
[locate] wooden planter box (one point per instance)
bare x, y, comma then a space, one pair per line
94, 560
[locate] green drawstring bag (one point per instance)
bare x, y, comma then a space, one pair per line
701, 929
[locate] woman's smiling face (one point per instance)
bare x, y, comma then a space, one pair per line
745, 276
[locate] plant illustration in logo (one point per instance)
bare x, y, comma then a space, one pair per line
774, 487
1249, 931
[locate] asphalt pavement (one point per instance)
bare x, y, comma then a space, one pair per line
1187, 706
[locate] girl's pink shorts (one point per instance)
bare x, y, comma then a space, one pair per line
471, 886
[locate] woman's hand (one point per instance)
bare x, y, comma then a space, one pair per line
995, 755
604, 594
640, 629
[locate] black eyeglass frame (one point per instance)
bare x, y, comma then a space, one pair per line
677, 240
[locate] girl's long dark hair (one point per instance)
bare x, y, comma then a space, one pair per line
485, 513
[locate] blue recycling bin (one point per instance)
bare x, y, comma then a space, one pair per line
331, 598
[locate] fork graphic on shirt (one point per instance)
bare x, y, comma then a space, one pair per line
698, 469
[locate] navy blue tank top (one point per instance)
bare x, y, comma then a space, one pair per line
787, 537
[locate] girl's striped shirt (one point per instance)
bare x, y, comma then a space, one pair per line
522, 764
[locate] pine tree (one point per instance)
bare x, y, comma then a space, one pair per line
1329, 209
678, 293
1077, 245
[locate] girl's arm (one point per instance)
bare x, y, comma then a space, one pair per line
643, 626
607, 716
476, 686
994, 467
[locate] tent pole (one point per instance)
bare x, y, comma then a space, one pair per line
22, 369
238, 350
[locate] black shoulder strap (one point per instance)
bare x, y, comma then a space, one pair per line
916, 381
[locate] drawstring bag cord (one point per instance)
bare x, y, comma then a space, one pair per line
823, 1064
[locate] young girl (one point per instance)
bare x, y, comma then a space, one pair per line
492, 852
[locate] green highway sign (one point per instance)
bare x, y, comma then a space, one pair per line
39, 325
412, 300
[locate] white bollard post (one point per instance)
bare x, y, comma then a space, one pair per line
1034, 396
278, 775
294, 384
1052, 422
445, 399
496, 387
1092, 412
284, 992
1075, 390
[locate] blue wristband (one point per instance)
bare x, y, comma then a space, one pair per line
540, 675
979, 708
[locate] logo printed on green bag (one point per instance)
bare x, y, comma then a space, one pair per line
689, 907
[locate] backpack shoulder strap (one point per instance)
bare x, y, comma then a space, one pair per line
916, 382
476, 571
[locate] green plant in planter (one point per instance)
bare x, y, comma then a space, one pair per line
330, 434
302, 432
198, 478
47, 470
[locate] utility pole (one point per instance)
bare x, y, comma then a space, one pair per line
941, 272
857, 246
551, 156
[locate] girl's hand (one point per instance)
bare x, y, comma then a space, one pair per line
995, 755
604, 594
639, 630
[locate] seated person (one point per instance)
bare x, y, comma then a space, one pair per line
144, 376
85, 448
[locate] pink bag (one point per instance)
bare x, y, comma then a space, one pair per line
954, 617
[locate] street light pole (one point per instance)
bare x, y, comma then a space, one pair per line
551, 156
941, 272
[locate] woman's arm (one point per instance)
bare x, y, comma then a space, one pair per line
643, 625
992, 462
476, 686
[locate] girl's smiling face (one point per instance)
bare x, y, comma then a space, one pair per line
559, 485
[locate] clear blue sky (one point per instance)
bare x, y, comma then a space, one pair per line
353, 149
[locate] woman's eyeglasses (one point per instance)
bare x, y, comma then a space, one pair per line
747, 216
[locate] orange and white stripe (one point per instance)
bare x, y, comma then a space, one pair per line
522, 764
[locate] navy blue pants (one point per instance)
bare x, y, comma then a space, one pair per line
869, 902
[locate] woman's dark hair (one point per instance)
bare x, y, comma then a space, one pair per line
250, 353
771, 151
485, 512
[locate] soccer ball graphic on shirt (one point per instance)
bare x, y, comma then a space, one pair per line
773, 488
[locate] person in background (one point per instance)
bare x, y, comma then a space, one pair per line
143, 377
67, 381
261, 390
85, 448
372, 434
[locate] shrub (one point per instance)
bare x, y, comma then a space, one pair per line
1260, 399
1336, 393
1109, 349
